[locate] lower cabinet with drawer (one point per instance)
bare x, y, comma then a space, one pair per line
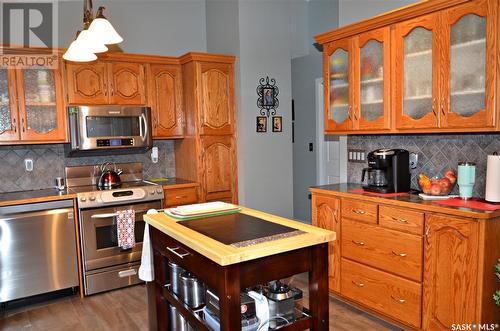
409, 263
180, 196
391, 295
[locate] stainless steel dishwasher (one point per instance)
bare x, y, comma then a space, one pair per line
37, 249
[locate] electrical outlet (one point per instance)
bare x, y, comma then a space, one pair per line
413, 160
356, 155
28, 165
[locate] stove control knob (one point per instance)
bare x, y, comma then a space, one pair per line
159, 190
152, 192
92, 198
83, 199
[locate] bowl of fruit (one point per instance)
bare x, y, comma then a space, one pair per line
436, 185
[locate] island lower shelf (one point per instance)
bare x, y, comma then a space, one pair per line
228, 280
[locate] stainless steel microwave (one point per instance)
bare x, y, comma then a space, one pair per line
106, 129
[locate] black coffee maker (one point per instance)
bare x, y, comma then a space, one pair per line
388, 171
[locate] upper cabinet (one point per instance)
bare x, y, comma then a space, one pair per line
165, 98
468, 48
372, 93
216, 116
31, 106
338, 84
431, 68
416, 73
100, 83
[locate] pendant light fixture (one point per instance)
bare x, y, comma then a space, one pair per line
96, 34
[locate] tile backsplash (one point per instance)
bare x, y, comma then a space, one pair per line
436, 153
49, 162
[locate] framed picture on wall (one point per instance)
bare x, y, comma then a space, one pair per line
261, 124
277, 124
268, 93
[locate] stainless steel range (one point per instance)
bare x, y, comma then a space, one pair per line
105, 265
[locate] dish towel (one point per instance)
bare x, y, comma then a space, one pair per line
147, 270
125, 225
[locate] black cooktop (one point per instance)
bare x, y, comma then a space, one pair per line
235, 228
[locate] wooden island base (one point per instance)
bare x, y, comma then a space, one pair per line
228, 281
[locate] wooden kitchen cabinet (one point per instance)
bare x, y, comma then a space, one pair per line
338, 82
469, 64
32, 106
218, 159
441, 76
100, 83
207, 154
415, 264
216, 116
165, 98
372, 80
450, 276
326, 215
180, 196
416, 72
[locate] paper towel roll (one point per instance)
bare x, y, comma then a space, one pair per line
493, 178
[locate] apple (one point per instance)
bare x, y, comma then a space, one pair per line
450, 174
435, 189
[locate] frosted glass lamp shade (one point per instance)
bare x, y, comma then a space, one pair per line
88, 41
102, 30
77, 53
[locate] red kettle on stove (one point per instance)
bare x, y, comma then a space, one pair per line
110, 178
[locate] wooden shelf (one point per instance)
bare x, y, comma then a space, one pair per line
418, 97
376, 102
40, 104
190, 315
341, 85
372, 81
467, 92
343, 105
467, 44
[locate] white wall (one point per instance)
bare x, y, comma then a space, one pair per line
351, 11
160, 27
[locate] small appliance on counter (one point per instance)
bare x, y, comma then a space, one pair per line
388, 171
281, 304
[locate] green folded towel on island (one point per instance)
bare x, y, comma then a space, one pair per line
168, 213
157, 180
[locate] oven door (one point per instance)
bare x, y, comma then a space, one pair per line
111, 127
100, 240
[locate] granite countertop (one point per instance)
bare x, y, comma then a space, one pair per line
22, 197
173, 181
411, 200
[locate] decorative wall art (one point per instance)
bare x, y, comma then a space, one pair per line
267, 101
277, 124
261, 124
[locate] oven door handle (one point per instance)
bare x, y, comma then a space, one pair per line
143, 126
108, 215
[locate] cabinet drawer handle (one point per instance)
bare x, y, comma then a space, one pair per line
400, 220
398, 300
22, 124
174, 251
14, 126
127, 273
181, 197
358, 284
399, 254
358, 211
434, 107
359, 243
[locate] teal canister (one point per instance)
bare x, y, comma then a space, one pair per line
466, 179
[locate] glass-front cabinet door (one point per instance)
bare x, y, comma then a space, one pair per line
467, 98
416, 73
9, 128
41, 108
372, 80
338, 95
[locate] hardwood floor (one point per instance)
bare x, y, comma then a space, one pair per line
126, 309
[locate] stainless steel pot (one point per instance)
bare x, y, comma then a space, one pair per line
174, 272
192, 290
178, 322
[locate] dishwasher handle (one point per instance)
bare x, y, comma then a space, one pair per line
34, 207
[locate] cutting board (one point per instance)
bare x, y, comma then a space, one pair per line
235, 228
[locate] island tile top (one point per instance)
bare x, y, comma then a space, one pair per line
224, 254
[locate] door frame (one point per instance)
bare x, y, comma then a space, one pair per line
321, 144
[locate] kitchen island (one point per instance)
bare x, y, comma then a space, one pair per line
228, 268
